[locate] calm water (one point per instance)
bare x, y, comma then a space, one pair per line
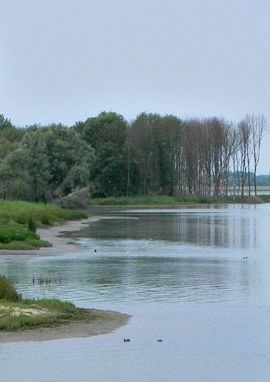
184, 277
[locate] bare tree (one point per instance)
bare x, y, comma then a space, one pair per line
257, 125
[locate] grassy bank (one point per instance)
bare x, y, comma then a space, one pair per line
19, 220
17, 313
30, 314
170, 200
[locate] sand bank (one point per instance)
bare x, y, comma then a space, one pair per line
105, 322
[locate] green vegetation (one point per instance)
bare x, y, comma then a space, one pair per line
265, 198
19, 236
17, 313
42, 214
30, 314
7, 290
111, 157
169, 200
18, 222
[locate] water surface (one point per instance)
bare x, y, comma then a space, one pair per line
196, 277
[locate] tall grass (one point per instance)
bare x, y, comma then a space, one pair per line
161, 200
42, 214
48, 313
7, 290
18, 222
149, 200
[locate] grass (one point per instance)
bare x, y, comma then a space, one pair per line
18, 221
17, 313
19, 236
265, 198
161, 200
7, 290
30, 314
42, 214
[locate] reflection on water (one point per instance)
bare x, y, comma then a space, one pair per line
222, 227
142, 279
146, 255
197, 277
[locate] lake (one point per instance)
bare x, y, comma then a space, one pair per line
197, 278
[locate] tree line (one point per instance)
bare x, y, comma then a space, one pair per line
152, 154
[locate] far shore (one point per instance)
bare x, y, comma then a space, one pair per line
106, 322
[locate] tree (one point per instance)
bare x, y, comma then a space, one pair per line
257, 125
49, 163
107, 134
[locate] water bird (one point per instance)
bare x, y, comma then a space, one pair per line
126, 339
245, 257
95, 250
159, 340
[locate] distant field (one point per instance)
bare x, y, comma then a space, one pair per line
261, 190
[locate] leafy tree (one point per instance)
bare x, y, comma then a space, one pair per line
49, 163
107, 134
155, 141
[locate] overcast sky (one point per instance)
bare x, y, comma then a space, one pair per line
66, 60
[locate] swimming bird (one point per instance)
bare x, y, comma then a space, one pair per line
126, 339
159, 340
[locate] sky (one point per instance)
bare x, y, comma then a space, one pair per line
66, 60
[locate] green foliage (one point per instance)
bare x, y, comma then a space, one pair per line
154, 154
107, 133
48, 214
46, 313
265, 198
31, 225
5, 123
47, 164
7, 290
155, 146
163, 200
58, 306
15, 232
18, 222
142, 200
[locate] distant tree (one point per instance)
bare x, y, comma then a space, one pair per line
155, 142
107, 134
257, 125
15, 180
5, 122
49, 163
69, 158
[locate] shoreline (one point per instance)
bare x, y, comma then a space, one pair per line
107, 322
59, 244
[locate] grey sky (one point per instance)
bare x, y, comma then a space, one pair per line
66, 60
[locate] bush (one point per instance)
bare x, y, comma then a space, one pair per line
31, 225
7, 290
15, 232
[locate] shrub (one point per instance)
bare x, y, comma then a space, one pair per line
7, 290
15, 232
31, 225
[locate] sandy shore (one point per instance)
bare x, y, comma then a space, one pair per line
106, 322
59, 244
